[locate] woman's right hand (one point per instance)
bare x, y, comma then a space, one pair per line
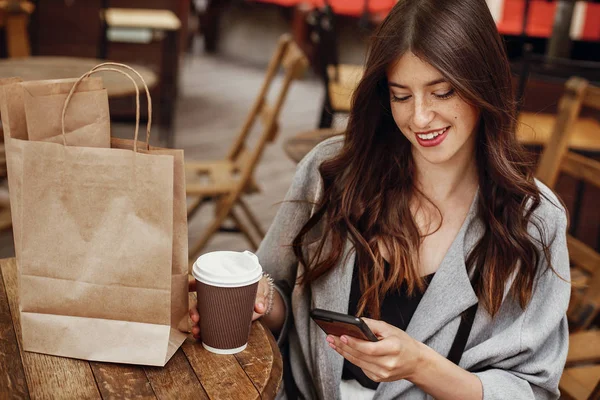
260, 304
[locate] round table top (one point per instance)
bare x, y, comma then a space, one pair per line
300, 144
192, 372
42, 67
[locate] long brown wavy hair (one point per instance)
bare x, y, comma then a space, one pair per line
368, 186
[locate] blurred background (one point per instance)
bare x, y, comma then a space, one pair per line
248, 87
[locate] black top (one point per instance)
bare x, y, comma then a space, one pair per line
397, 309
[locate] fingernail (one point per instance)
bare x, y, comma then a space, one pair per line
329, 339
344, 339
261, 305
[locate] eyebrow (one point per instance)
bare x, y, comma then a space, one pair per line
431, 83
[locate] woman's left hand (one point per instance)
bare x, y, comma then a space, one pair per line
395, 356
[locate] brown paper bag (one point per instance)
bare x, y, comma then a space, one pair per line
87, 122
103, 249
92, 132
35, 107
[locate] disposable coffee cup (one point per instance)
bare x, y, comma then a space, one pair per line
226, 283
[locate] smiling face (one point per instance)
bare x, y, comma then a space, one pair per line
439, 124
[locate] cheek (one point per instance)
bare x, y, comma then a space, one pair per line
466, 109
465, 117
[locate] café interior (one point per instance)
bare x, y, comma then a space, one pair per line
248, 87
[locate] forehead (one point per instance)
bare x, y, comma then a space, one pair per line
411, 70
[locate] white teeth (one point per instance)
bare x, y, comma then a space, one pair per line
433, 135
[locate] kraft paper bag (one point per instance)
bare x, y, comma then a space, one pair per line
102, 259
35, 108
15, 116
87, 121
179, 276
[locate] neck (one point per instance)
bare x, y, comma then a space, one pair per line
443, 181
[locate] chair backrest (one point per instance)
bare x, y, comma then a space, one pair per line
557, 158
290, 58
14, 17
578, 93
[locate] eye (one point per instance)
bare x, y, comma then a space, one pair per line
446, 95
399, 98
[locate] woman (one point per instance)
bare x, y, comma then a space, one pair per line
426, 209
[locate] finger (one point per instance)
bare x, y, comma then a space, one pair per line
196, 332
362, 363
260, 307
383, 347
379, 328
194, 316
349, 350
261, 296
191, 284
194, 310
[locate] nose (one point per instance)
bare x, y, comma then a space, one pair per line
422, 114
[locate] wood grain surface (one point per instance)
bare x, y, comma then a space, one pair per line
192, 373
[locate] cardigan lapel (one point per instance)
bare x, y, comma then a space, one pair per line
450, 291
449, 294
332, 292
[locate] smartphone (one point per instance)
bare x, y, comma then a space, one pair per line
338, 324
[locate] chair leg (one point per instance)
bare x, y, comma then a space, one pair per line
252, 218
244, 230
595, 395
208, 233
194, 207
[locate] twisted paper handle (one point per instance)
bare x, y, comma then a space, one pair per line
103, 67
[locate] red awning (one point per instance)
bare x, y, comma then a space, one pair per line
507, 13
584, 26
343, 7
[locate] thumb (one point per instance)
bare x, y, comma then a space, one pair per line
379, 328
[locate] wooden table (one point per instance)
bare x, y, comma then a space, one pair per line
300, 144
38, 68
192, 373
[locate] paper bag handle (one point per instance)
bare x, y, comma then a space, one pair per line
149, 124
99, 68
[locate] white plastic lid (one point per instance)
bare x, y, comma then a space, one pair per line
227, 268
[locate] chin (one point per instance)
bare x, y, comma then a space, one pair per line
436, 157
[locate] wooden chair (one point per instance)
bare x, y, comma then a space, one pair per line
14, 18
540, 82
225, 182
581, 379
556, 158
